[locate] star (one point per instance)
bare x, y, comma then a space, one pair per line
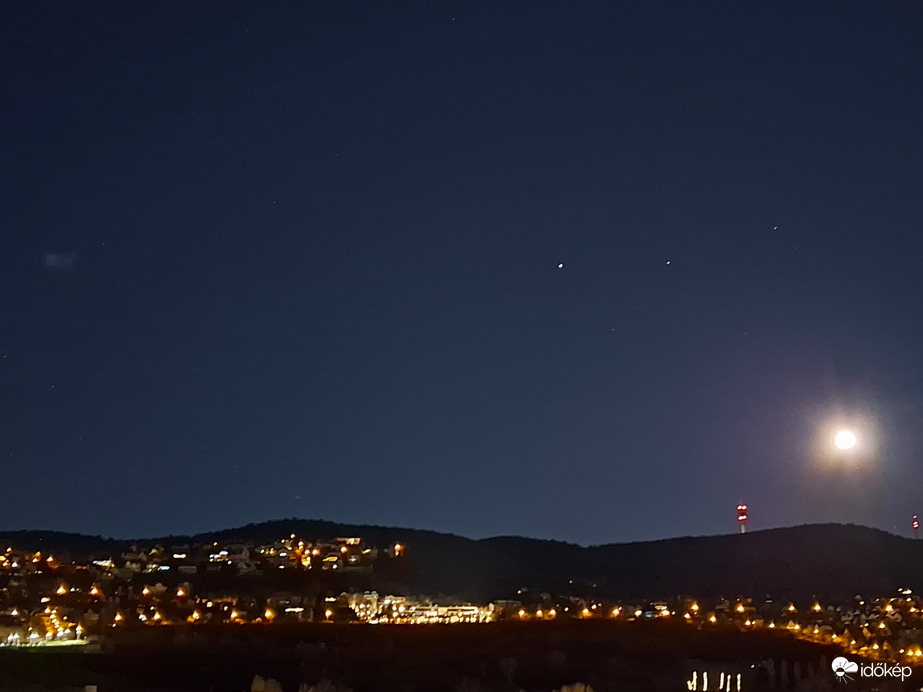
561, 265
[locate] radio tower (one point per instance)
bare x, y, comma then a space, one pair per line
742, 517
916, 526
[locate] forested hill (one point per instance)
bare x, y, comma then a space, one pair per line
830, 560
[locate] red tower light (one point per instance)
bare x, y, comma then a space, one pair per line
916, 525
742, 517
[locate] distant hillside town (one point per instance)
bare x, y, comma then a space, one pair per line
48, 599
60, 600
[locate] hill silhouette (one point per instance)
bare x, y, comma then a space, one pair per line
827, 560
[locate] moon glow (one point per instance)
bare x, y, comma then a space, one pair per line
844, 439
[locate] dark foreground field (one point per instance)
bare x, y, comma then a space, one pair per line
504, 657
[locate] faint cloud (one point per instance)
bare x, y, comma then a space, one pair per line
60, 261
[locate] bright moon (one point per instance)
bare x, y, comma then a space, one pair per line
845, 439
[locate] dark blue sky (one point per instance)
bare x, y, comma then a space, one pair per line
301, 259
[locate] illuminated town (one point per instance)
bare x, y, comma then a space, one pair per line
49, 601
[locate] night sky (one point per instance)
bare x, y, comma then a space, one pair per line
591, 271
